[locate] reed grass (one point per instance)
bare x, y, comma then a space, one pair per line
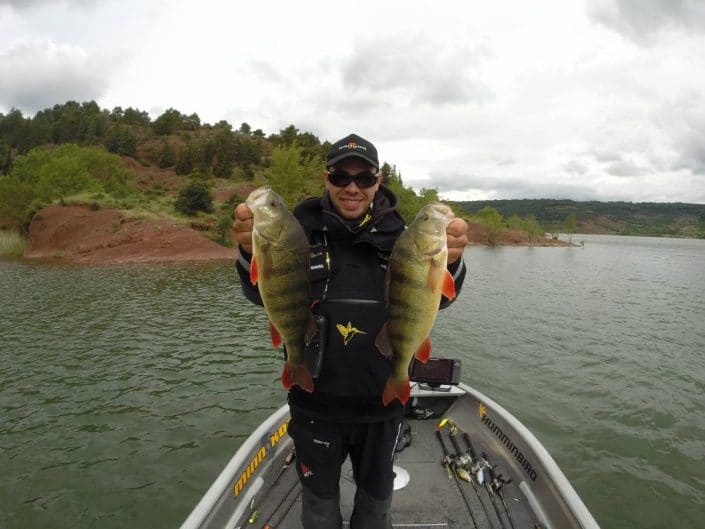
11, 243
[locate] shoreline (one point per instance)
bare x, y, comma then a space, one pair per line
78, 234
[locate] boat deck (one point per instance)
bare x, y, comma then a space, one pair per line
431, 499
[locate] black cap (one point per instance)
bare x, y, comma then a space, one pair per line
352, 145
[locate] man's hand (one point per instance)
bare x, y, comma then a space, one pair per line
241, 231
457, 233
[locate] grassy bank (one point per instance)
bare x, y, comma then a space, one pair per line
11, 243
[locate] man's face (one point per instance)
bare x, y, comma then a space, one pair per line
351, 202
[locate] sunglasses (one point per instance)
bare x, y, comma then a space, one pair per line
343, 179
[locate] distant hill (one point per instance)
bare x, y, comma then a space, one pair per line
174, 167
619, 218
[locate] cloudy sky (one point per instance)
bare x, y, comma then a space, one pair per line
580, 99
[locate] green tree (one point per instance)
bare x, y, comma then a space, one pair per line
533, 229
244, 128
222, 124
166, 156
286, 137
17, 131
292, 177
192, 122
122, 141
45, 175
117, 113
493, 222
409, 202
225, 152
69, 124
15, 198
194, 197
63, 177
248, 151
570, 223
310, 145
5, 158
223, 224
204, 155
169, 122
515, 222
428, 195
184, 165
96, 125
133, 116
386, 171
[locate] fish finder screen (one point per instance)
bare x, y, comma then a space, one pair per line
436, 370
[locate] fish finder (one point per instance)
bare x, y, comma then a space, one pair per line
435, 372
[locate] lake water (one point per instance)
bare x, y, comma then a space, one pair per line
124, 390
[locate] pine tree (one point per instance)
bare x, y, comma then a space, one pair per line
166, 156
185, 164
6, 153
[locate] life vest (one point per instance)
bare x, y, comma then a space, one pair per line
348, 272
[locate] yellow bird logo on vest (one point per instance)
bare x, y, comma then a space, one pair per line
348, 332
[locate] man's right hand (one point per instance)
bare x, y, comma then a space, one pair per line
241, 231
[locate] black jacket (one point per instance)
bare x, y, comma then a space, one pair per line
348, 268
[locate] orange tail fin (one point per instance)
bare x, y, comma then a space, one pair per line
297, 375
396, 389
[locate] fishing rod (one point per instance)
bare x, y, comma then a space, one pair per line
497, 483
464, 461
286, 464
480, 469
448, 464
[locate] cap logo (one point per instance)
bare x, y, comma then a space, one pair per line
352, 145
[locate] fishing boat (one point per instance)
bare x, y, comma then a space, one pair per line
463, 461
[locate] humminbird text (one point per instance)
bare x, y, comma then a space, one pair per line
506, 441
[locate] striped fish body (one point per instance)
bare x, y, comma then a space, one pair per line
280, 268
417, 276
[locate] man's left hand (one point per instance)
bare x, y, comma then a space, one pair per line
457, 233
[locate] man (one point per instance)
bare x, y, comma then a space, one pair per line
351, 229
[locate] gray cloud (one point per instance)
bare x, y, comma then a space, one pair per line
29, 4
626, 168
691, 152
641, 20
683, 123
418, 69
267, 73
39, 74
575, 167
606, 156
690, 143
507, 188
24, 4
